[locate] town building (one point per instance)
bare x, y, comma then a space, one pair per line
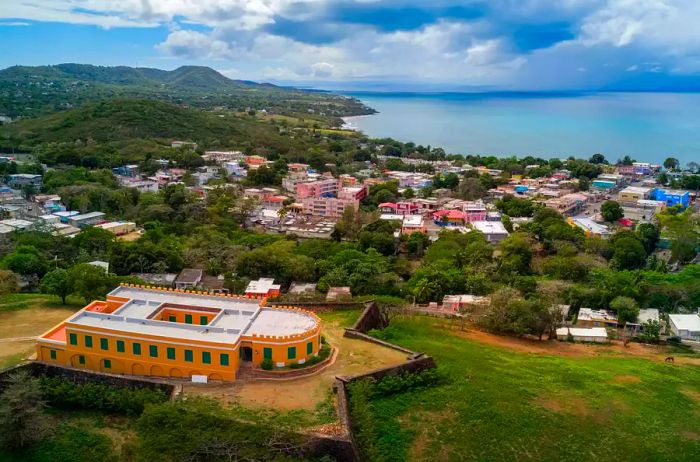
672, 197
633, 194
588, 317
168, 333
328, 206
184, 145
494, 231
685, 326
645, 315
464, 302
327, 187
263, 288
590, 227
583, 334
18, 180
398, 208
119, 228
86, 219
336, 294
189, 278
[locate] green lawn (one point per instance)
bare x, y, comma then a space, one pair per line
15, 302
500, 405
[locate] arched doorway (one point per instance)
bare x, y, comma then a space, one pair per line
215, 377
175, 372
138, 369
157, 370
246, 354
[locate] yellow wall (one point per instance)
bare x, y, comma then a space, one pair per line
280, 348
144, 364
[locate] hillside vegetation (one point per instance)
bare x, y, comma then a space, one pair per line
27, 91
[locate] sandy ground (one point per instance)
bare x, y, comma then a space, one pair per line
553, 347
354, 356
17, 329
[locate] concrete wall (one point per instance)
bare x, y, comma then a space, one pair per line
371, 318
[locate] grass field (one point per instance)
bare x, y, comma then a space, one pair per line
23, 316
501, 404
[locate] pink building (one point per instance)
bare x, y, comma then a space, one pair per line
328, 206
353, 192
320, 188
474, 211
399, 208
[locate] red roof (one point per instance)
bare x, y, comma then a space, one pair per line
626, 222
387, 204
453, 214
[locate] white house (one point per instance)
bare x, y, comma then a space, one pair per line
583, 334
685, 326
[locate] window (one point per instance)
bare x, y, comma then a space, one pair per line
120, 346
136, 348
267, 353
81, 359
104, 344
206, 357
188, 318
52, 354
203, 320
309, 348
188, 356
172, 318
108, 363
223, 359
73, 339
291, 352
171, 353
153, 351
88, 341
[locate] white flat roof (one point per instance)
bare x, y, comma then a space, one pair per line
262, 286
689, 322
490, 227
598, 332
233, 316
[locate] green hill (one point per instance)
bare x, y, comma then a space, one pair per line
27, 91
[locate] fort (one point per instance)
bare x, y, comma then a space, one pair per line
149, 331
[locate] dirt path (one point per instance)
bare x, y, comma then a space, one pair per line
553, 347
354, 356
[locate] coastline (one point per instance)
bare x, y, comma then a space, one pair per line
348, 121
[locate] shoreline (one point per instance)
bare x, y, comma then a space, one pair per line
347, 121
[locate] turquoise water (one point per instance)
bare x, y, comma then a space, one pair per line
647, 126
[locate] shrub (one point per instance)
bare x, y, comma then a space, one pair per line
61, 393
267, 364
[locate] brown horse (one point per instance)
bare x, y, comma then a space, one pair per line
669, 359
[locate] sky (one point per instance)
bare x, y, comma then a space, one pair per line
374, 44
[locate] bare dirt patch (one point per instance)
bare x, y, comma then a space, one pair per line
569, 405
554, 347
692, 394
354, 357
421, 449
18, 327
626, 379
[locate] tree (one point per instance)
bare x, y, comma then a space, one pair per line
626, 308
90, 282
25, 260
684, 231
598, 159
470, 189
651, 332
649, 234
611, 211
671, 163
9, 282
57, 282
409, 193
22, 421
628, 253
584, 183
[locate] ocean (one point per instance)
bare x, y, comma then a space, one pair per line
646, 126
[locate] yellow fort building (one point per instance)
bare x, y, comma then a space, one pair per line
172, 333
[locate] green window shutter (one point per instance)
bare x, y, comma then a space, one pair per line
136, 348
291, 352
267, 353
171, 353
88, 341
206, 357
309, 348
108, 363
81, 359
153, 351
223, 359
189, 356
203, 320
172, 318
120, 346
104, 344
188, 318
73, 339
52, 353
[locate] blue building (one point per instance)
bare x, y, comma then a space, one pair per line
672, 197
